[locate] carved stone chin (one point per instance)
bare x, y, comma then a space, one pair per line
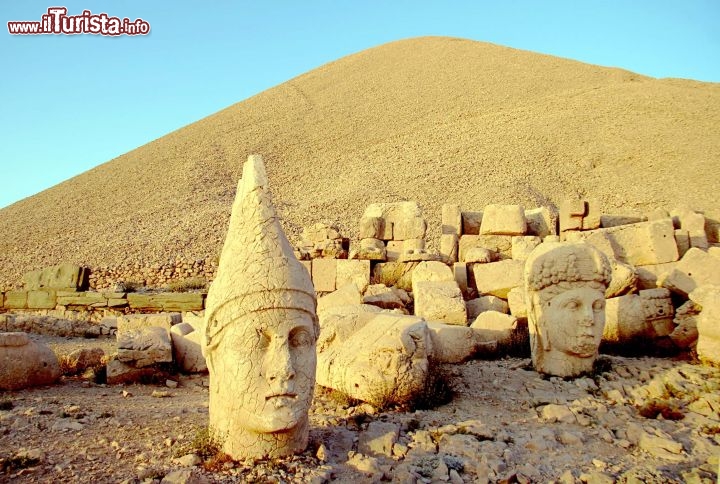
260, 332
565, 287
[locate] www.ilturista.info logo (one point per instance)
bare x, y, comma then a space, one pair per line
57, 21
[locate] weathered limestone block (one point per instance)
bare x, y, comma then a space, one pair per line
485, 303
640, 244
378, 439
498, 278
421, 255
471, 222
370, 249
541, 222
685, 334
516, 302
401, 220
495, 325
522, 246
117, 303
187, 347
682, 239
25, 363
182, 301
624, 279
478, 255
708, 324
63, 276
129, 322
460, 271
394, 250
348, 295
634, 317
88, 299
647, 276
41, 299
320, 232
144, 346
372, 228
607, 221
449, 248
16, 300
696, 268
592, 217
451, 219
413, 245
355, 271
431, 271
384, 361
118, 373
571, 215
565, 286
599, 239
503, 220
324, 274
397, 274
455, 344
84, 358
260, 331
500, 245
440, 301
383, 297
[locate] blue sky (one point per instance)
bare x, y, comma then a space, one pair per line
69, 103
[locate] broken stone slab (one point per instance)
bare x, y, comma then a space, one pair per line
370, 249
571, 215
451, 219
607, 221
383, 297
187, 347
15, 300
695, 269
355, 271
384, 361
647, 276
397, 274
320, 232
449, 248
478, 255
372, 228
130, 322
394, 249
421, 255
460, 271
685, 334
403, 220
708, 324
471, 222
638, 317
185, 301
517, 303
63, 276
348, 295
485, 303
682, 239
378, 439
431, 271
498, 278
503, 220
495, 326
144, 346
541, 221
522, 245
624, 280
81, 299
439, 300
42, 299
118, 373
455, 344
499, 245
25, 363
324, 274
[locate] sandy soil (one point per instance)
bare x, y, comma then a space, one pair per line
504, 424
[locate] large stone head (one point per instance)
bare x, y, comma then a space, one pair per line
565, 293
260, 331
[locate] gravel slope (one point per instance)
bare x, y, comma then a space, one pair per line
429, 119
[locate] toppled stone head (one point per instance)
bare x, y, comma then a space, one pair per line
565, 287
260, 331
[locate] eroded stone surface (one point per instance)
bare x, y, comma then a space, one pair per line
708, 324
260, 331
25, 363
565, 287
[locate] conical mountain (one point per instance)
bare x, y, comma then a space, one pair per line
431, 119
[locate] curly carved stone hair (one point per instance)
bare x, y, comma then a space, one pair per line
555, 263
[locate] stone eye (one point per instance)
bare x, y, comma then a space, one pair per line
572, 305
598, 305
300, 338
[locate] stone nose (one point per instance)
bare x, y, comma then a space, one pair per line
277, 365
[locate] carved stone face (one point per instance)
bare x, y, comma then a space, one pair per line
265, 365
572, 321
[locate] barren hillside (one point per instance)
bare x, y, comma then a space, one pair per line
429, 119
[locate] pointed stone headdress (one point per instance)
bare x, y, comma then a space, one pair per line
258, 269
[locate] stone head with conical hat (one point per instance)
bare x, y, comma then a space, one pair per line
260, 331
565, 294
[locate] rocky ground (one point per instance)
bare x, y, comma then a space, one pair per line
634, 420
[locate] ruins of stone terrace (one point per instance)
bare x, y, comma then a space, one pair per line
475, 279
